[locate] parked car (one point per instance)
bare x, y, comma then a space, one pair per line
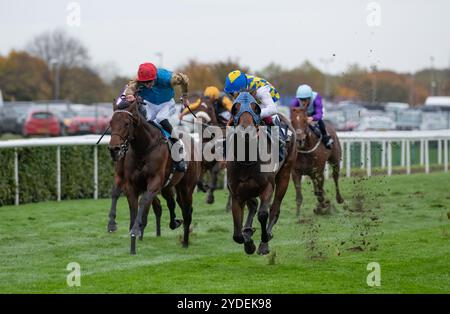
409, 119
88, 121
376, 123
12, 116
336, 118
40, 122
433, 121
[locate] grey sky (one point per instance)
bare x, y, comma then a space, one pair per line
256, 32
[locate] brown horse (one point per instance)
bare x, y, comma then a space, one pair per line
247, 181
312, 156
206, 113
115, 194
148, 170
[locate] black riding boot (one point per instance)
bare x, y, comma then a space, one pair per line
326, 139
179, 165
282, 137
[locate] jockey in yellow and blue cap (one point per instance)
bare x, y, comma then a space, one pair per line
264, 92
266, 95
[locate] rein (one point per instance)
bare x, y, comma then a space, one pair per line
312, 149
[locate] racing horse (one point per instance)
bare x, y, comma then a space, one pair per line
115, 194
148, 170
247, 181
312, 156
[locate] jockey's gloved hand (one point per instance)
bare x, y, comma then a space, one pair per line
123, 103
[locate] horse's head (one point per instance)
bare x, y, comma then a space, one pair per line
299, 120
245, 111
123, 122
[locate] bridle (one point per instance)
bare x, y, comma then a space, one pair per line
129, 137
309, 151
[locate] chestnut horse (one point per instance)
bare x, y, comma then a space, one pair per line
247, 181
148, 170
312, 156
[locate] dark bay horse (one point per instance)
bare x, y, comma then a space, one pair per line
247, 181
312, 156
148, 170
115, 194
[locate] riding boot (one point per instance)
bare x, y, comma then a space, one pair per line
282, 137
326, 139
181, 164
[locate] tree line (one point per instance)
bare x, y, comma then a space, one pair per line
30, 74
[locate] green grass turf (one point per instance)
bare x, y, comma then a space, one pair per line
400, 222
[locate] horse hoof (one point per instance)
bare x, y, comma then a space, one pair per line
185, 245
238, 239
175, 224
249, 247
112, 228
339, 199
210, 199
263, 248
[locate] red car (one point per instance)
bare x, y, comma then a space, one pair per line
87, 121
41, 122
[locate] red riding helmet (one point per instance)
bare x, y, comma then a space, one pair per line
146, 72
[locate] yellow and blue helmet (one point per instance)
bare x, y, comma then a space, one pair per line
236, 82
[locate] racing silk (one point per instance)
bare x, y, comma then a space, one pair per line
254, 83
315, 107
223, 103
162, 91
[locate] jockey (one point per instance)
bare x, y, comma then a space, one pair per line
267, 96
155, 87
312, 101
222, 104
262, 90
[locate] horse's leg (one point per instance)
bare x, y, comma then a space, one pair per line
115, 194
157, 209
213, 183
237, 209
336, 168
282, 183
132, 198
144, 203
168, 195
248, 231
184, 200
297, 178
318, 181
144, 221
263, 215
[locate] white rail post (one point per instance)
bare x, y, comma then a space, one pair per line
427, 157
389, 158
439, 143
95, 172
422, 152
402, 157
363, 154
408, 157
16, 176
446, 155
348, 159
58, 173
369, 158
341, 162
383, 154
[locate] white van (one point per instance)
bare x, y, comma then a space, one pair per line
439, 101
